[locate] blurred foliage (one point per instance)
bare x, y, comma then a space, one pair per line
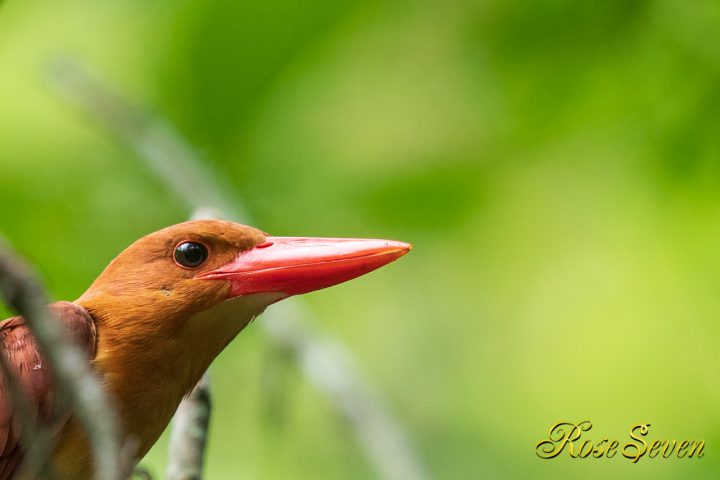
555, 164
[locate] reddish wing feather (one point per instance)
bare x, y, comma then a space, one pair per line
21, 352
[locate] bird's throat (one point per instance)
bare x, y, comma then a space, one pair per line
148, 372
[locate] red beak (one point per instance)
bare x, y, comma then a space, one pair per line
295, 265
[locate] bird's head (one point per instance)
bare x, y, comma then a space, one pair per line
209, 274
170, 302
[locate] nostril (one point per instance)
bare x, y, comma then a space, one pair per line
264, 244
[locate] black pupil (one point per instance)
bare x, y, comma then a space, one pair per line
190, 254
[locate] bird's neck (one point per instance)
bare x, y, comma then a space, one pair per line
148, 364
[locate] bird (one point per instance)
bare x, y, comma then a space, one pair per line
157, 316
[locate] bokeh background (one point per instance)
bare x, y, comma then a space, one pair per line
556, 165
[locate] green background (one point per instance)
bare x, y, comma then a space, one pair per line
555, 164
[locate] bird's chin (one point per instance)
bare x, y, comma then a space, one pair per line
237, 312
253, 304
218, 325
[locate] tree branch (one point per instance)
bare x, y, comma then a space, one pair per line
189, 434
76, 383
325, 362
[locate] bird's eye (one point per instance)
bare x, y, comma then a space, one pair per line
190, 254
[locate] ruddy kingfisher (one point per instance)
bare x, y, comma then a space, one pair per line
158, 315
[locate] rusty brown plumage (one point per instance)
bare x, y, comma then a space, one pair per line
34, 376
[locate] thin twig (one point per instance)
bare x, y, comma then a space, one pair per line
75, 382
189, 433
326, 363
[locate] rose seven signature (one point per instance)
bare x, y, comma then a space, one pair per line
566, 436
